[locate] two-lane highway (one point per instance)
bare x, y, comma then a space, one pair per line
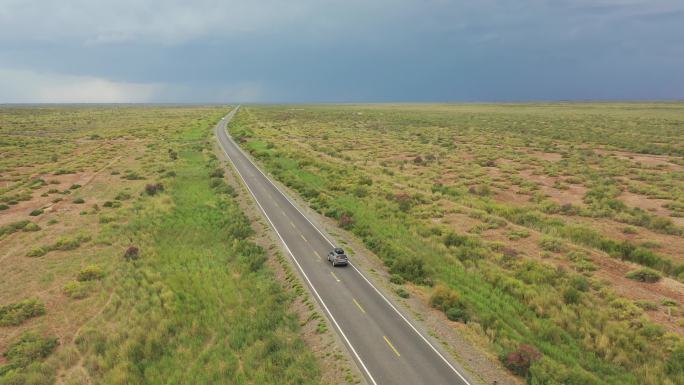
384, 343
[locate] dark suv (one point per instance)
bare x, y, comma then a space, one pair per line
338, 257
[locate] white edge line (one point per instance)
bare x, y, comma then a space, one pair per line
352, 265
299, 266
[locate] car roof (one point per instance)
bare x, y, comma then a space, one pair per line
338, 250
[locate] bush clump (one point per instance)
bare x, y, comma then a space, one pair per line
30, 347
644, 275
551, 244
79, 201
76, 289
16, 226
132, 253
346, 221
448, 301
16, 313
122, 196
3, 207
154, 188
90, 273
397, 279
37, 252
520, 360
36, 212
412, 269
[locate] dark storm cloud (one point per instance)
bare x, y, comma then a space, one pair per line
353, 50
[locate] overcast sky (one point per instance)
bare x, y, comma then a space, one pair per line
340, 50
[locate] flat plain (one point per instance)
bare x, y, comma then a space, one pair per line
126, 259
552, 234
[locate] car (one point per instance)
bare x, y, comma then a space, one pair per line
337, 257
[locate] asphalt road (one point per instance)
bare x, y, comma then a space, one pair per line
383, 341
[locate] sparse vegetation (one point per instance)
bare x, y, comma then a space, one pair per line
16, 313
133, 277
510, 198
29, 349
644, 275
90, 273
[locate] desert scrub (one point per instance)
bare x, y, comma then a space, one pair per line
16, 313
196, 257
90, 273
29, 349
76, 289
644, 275
154, 188
36, 212
63, 244
513, 301
18, 226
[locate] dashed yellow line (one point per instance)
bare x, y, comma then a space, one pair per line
391, 346
292, 224
358, 305
334, 276
302, 237
318, 255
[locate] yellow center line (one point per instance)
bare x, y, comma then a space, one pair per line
302, 237
292, 224
282, 211
334, 276
318, 255
391, 346
358, 305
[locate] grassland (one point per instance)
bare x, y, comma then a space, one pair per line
126, 259
553, 232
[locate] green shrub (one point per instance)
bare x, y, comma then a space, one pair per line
31, 347
401, 292
444, 298
16, 313
36, 212
454, 240
79, 201
217, 173
76, 289
515, 235
75, 186
90, 273
551, 244
122, 196
31, 226
630, 230
3, 207
411, 269
571, 296
16, 226
397, 279
644, 275
37, 252
458, 313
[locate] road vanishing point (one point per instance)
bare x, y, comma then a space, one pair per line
382, 340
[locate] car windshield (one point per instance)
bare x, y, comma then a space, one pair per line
339, 250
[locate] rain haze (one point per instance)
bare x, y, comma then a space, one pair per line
340, 51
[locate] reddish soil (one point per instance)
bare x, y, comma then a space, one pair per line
647, 160
649, 204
